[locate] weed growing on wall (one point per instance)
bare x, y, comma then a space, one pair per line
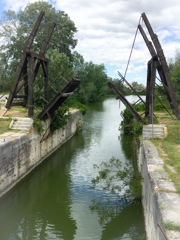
60, 118
37, 123
130, 125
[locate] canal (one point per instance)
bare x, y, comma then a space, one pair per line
57, 202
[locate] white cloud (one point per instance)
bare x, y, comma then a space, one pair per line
106, 28
14, 5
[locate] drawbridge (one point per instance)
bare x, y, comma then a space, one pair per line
59, 99
157, 63
27, 71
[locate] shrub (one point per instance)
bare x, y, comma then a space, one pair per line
130, 125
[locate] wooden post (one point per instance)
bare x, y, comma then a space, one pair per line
151, 77
125, 101
30, 71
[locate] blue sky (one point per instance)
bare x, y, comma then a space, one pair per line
106, 30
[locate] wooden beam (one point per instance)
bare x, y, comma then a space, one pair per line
125, 102
130, 86
59, 99
151, 77
148, 43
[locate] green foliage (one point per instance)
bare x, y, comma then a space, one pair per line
140, 107
15, 29
60, 69
136, 128
37, 123
73, 102
120, 85
130, 125
59, 118
160, 101
138, 87
119, 179
171, 226
93, 79
174, 66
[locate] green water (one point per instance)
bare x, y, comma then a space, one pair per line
56, 201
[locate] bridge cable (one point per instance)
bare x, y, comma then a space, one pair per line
132, 47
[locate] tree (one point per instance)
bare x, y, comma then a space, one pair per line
138, 87
15, 29
63, 37
93, 79
60, 71
174, 67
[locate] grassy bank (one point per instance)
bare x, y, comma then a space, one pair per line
15, 111
169, 147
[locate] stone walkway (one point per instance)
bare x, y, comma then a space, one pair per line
167, 196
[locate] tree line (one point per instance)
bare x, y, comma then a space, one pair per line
64, 62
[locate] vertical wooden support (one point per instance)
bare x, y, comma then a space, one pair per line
22, 62
151, 77
30, 71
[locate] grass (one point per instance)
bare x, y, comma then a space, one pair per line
4, 125
171, 226
169, 147
15, 111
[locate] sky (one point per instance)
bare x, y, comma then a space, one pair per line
106, 31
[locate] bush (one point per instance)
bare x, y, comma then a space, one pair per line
130, 125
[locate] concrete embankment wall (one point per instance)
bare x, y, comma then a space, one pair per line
161, 202
22, 152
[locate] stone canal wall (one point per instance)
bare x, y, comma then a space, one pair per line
161, 202
21, 152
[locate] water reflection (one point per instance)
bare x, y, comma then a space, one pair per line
57, 202
36, 209
98, 214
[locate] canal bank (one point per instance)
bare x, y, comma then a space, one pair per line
161, 202
21, 152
